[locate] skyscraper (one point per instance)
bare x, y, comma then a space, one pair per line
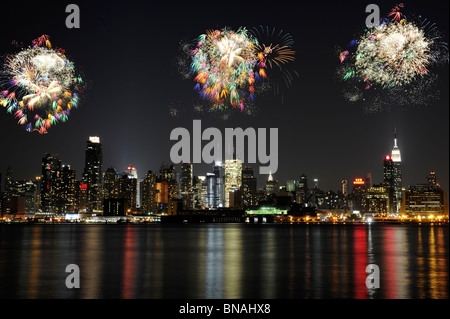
64, 185
148, 193
132, 174
186, 186
50, 167
271, 185
219, 173
128, 191
197, 183
8, 193
388, 182
111, 183
358, 191
249, 187
397, 174
93, 174
302, 191
233, 178
376, 200
211, 190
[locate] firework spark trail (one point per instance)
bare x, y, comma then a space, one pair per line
40, 86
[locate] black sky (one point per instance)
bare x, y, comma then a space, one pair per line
127, 51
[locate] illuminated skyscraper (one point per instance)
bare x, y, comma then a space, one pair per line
219, 174
64, 197
211, 190
128, 191
198, 183
233, 178
111, 183
186, 186
302, 191
271, 185
132, 174
50, 166
376, 200
388, 182
93, 174
358, 191
148, 193
397, 174
249, 187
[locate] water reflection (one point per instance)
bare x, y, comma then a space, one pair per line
34, 265
92, 256
214, 274
224, 261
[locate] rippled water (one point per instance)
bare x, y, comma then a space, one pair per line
224, 261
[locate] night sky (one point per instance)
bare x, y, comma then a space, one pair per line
128, 54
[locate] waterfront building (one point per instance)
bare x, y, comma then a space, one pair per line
424, 200
50, 166
357, 195
93, 175
376, 201
148, 193
396, 175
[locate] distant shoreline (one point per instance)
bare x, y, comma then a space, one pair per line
239, 223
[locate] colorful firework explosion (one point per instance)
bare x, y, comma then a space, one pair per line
394, 57
40, 86
231, 67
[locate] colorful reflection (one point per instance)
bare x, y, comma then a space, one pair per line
225, 261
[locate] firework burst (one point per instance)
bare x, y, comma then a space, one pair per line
40, 86
231, 67
395, 58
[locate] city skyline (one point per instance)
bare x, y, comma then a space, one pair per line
230, 184
318, 130
261, 178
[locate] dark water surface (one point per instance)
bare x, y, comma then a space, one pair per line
225, 261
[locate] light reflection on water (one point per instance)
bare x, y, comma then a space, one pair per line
225, 261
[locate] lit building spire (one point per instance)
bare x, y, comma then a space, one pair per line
270, 177
396, 157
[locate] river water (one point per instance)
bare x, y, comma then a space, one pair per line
224, 261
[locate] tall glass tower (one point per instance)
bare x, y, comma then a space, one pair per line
233, 178
93, 174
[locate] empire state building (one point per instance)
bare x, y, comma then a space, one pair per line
397, 173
